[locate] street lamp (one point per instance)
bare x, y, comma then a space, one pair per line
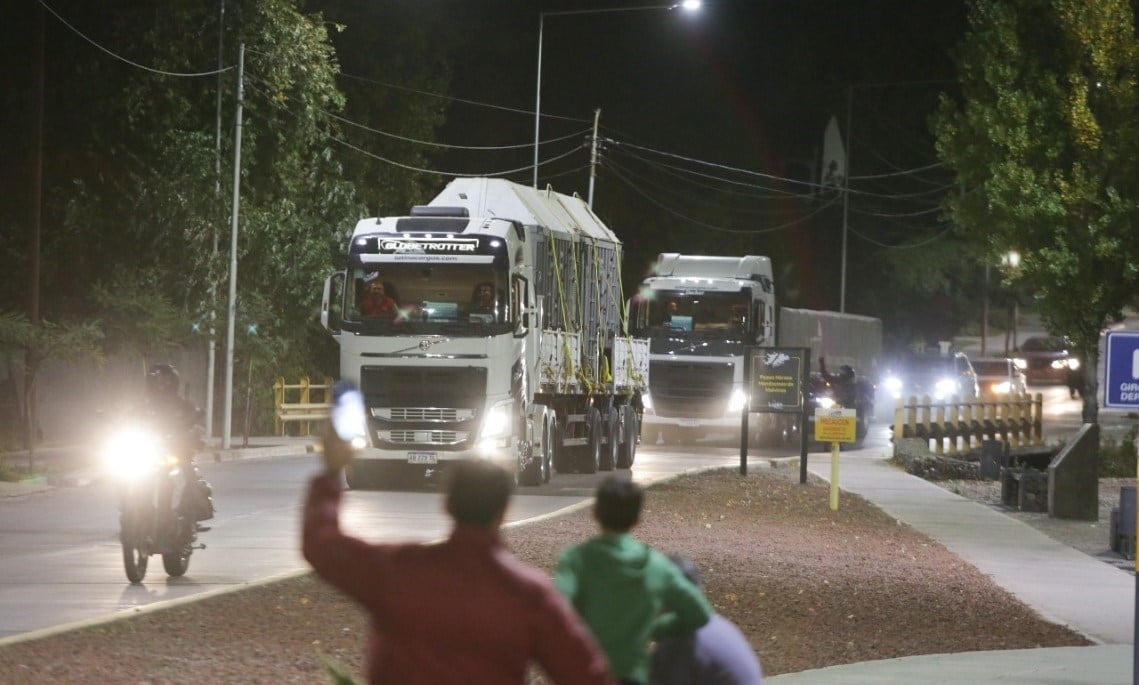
686, 5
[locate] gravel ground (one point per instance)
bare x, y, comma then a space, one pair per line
809, 587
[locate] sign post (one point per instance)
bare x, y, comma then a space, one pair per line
835, 426
776, 378
1121, 391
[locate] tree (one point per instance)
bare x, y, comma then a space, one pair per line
1043, 144
39, 343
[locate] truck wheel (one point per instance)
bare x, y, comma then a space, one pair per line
562, 461
612, 437
537, 470
630, 429
591, 460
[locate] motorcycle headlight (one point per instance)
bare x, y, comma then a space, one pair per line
737, 401
1002, 388
647, 402
825, 402
132, 452
1059, 364
1021, 364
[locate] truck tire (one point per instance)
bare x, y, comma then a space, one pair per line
537, 470
630, 428
562, 461
591, 459
612, 438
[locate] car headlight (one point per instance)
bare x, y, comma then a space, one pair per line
1021, 364
737, 401
1073, 363
893, 386
647, 401
496, 423
945, 387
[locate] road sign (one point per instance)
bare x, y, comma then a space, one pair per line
1121, 370
835, 425
777, 378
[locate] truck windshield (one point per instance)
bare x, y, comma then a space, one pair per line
416, 297
705, 313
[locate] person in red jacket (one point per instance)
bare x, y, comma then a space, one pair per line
464, 610
376, 302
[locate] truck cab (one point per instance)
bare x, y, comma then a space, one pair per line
700, 314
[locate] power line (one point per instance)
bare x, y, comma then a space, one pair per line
213, 72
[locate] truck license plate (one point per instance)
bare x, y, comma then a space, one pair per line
422, 458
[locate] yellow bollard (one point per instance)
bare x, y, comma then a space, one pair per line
834, 476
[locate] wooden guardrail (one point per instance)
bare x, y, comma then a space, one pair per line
955, 425
296, 403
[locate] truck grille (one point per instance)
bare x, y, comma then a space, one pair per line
424, 407
690, 389
413, 437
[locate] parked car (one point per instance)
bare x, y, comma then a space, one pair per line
1047, 359
999, 377
934, 374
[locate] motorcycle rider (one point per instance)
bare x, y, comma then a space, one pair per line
845, 390
179, 421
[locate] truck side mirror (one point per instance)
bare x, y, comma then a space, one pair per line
330, 307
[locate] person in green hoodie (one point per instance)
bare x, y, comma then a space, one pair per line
628, 593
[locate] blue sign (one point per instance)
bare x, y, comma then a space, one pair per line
1121, 370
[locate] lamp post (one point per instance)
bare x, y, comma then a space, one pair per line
1009, 260
687, 5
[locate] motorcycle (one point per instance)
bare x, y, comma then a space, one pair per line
156, 514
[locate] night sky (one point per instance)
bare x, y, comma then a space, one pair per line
712, 122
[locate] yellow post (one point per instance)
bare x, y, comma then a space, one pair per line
939, 415
834, 476
278, 400
899, 419
1038, 423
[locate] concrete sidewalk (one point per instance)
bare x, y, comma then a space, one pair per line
1063, 585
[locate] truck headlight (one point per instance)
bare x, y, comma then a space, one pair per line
737, 401
496, 422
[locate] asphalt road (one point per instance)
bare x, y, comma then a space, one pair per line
60, 560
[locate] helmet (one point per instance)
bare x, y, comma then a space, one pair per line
162, 379
846, 372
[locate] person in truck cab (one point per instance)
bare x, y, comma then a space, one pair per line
376, 301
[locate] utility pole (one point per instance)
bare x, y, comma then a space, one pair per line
211, 364
593, 156
227, 430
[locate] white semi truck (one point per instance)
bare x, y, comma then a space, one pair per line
700, 314
504, 337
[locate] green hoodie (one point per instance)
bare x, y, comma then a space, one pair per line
629, 594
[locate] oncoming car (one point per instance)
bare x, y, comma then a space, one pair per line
1047, 359
999, 377
932, 374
